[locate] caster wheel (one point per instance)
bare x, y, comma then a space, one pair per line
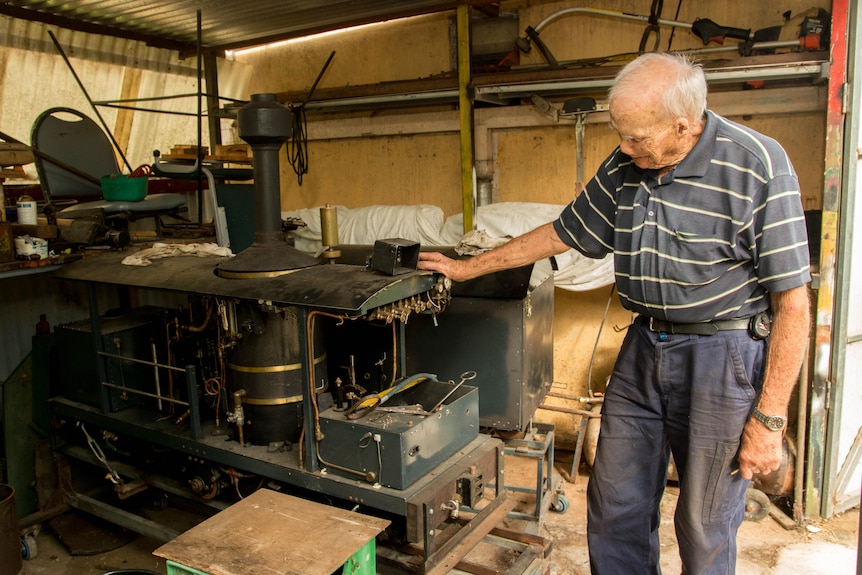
756, 505
560, 504
28, 547
160, 502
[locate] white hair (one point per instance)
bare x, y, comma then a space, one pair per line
685, 83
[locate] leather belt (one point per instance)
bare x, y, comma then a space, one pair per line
702, 328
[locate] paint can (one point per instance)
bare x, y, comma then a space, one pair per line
26, 246
26, 210
10, 536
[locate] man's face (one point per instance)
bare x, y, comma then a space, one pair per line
652, 140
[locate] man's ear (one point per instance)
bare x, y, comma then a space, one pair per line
682, 126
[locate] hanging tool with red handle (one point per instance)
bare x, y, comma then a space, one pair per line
704, 28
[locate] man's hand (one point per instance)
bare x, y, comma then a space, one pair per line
761, 450
456, 270
529, 248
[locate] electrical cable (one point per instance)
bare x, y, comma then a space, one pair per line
297, 145
673, 30
365, 441
653, 27
379, 459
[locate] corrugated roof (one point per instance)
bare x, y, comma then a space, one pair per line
225, 24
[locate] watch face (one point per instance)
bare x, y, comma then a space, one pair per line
772, 422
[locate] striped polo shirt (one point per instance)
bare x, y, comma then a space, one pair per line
709, 240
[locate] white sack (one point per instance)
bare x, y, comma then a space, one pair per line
424, 224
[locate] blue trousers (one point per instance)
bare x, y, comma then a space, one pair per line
689, 395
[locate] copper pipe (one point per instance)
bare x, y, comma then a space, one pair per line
201, 327
309, 358
240, 419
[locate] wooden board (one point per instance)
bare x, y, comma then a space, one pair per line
270, 532
190, 150
234, 150
230, 158
12, 154
40, 230
13, 173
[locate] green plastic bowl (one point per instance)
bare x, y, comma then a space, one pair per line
121, 188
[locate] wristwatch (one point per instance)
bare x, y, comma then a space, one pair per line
772, 422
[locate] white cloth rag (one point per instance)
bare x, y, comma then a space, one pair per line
478, 241
161, 250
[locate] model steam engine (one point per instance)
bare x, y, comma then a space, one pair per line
277, 368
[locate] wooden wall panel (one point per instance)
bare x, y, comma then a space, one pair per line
804, 138
539, 164
400, 50
385, 170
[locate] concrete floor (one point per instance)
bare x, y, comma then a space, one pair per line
765, 547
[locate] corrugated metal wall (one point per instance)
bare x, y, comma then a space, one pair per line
34, 77
22, 300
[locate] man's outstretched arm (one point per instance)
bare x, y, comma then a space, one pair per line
542, 242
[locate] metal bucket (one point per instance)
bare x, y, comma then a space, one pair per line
10, 536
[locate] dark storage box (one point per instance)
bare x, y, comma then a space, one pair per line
128, 336
410, 446
502, 330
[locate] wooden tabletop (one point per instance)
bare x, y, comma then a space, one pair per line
12, 268
272, 533
228, 158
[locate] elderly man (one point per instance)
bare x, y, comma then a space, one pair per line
705, 222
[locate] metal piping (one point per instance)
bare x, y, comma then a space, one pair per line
370, 476
612, 13
89, 99
412, 98
465, 113
795, 71
781, 72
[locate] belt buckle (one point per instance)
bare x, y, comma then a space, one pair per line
662, 333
